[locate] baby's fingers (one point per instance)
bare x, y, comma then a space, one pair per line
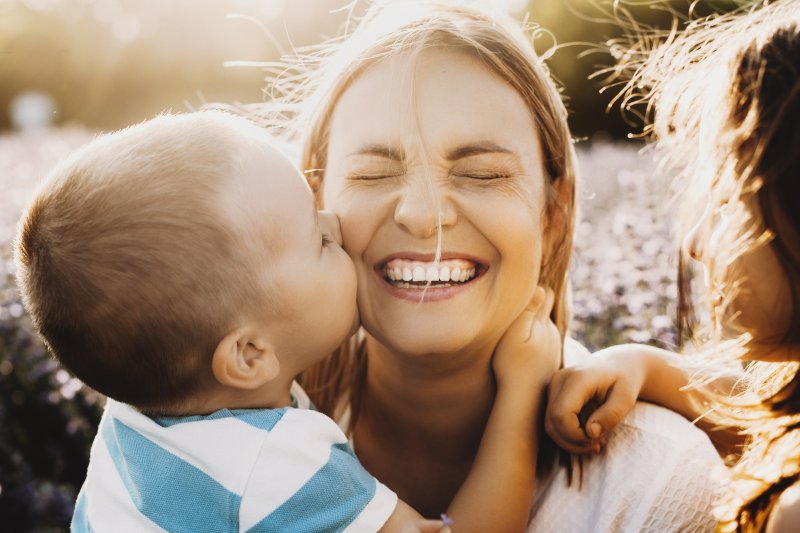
562, 420
618, 403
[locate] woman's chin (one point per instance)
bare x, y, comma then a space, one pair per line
424, 339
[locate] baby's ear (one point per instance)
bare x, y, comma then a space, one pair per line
245, 360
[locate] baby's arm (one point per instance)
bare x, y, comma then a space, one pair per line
497, 494
611, 381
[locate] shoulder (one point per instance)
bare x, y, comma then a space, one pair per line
660, 469
308, 478
664, 429
177, 473
669, 453
786, 514
666, 452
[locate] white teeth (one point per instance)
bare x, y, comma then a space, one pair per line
467, 274
432, 274
401, 271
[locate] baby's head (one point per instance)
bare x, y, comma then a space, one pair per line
181, 261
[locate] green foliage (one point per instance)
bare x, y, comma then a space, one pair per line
48, 427
48, 418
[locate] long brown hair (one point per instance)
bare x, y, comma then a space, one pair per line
723, 99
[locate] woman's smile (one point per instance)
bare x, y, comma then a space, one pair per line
420, 278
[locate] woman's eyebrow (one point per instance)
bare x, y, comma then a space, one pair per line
479, 148
380, 150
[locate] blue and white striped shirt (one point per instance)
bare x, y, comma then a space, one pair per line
254, 470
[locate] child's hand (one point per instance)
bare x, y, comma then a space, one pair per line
530, 351
587, 401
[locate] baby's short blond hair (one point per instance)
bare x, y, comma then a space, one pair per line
129, 270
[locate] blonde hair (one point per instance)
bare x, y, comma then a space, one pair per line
724, 99
307, 89
126, 267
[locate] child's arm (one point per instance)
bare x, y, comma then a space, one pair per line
497, 494
615, 378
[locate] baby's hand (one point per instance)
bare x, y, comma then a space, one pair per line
586, 401
530, 350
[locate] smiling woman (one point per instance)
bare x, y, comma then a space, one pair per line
474, 190
437, 137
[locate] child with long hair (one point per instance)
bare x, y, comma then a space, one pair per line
726, 95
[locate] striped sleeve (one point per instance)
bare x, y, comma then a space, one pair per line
245, 470
308, 479
184, 475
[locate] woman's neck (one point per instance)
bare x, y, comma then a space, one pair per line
421, 418
441, 393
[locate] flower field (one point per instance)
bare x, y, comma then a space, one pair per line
623, 282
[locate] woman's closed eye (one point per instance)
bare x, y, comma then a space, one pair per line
326, 240
481, 175
376, 171
376, 168
372, 176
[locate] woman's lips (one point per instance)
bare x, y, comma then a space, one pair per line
419, 278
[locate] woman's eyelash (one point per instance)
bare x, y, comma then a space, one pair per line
470, 175
481, 176
326, 241
371, 177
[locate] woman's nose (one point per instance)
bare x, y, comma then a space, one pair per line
422, 208
329, 224
693, 240
691, 244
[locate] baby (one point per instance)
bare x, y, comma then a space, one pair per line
179, 267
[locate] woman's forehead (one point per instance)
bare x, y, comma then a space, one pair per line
441, 98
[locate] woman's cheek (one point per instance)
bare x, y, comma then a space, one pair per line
513, 224
355, 214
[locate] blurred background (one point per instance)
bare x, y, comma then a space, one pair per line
70, 68
108, 63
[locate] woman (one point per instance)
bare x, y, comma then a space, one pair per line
727, 97
437, 137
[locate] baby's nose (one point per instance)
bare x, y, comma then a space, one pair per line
330, 225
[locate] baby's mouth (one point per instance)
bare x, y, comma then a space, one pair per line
412, 274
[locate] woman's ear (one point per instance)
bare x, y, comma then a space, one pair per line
244, 360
